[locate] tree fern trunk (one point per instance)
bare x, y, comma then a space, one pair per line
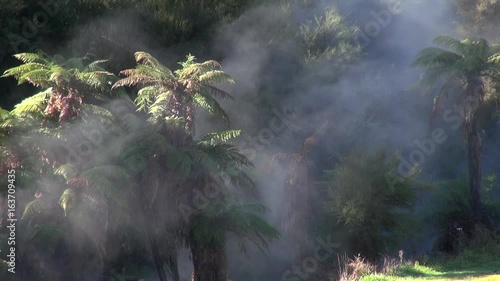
151, 237
173, 266
474, 92
474, 157
209, 262
154, 245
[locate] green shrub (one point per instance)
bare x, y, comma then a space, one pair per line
371, 201
449, 212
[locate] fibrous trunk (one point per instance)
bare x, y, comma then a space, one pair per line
209, 262
473, 97
64, 103
474, 157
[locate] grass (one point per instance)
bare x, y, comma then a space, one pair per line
479, 264
418, 272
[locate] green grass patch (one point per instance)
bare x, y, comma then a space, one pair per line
478, 264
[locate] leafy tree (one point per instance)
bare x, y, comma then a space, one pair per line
468, 66
371, 200
329, 37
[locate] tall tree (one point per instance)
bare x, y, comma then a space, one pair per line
471, 67
215, 173
38, 133
170, 99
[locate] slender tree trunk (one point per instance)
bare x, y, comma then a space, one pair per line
151, 236
165, 207
173, 266
209, 262
474, 158
154, 245
473, 100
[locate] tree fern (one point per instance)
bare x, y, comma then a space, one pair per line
469, 66
66, 82
164, 93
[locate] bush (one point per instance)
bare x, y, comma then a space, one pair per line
449, 212
371, 201
354, 269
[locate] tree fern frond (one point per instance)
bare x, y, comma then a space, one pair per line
91, 111
211, 64
33, 57
435, 57
158, 144
159, 107
114, 172
23, 69
32, 104
133, 81
244, 221
46, 236
148, 74
37, 77
68, 171
215, 92
96, 79
212, 106
58, 75
223, 136
101, 184
93, 201
94, 66
35, 207
215, 77
149, 60
67, 200
451, 43
135, 158
78, 182
145, 96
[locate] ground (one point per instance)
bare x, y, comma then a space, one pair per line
484, 272
478, 264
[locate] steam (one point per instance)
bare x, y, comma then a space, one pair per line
370, 103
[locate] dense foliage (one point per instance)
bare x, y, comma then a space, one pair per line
284, 124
